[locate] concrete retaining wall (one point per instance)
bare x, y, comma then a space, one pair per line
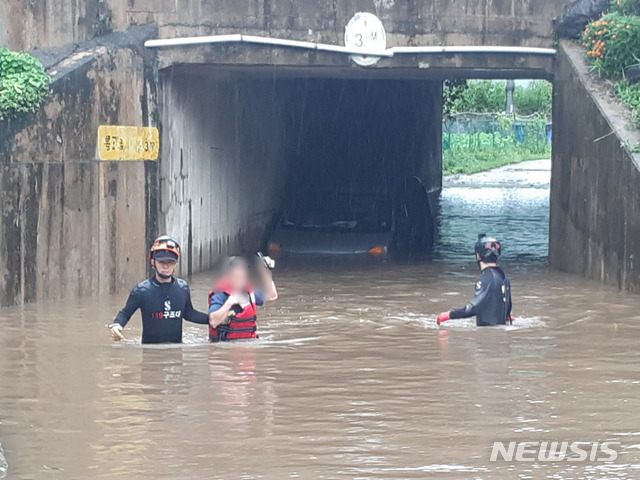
27, 24
46, 23
595, 186
72, 225
430, 22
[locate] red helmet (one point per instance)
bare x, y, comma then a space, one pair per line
164, 248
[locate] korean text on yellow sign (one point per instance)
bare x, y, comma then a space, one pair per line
128, 143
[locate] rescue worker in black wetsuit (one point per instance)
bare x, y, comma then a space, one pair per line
491, 304
163, 300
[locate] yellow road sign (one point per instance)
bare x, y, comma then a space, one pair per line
128, 143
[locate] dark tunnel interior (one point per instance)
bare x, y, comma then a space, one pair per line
256, 157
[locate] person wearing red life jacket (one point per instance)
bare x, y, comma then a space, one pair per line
233, 302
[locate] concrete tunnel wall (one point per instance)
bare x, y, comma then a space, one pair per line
595, 182
235, 143
223, 163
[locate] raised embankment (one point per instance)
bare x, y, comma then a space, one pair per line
595, 182
72, 225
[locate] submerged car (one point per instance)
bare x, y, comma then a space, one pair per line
333, 223
354, 222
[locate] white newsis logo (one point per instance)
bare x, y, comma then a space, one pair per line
554, 451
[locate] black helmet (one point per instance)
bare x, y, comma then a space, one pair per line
488, 248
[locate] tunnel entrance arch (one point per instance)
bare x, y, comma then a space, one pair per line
240, 137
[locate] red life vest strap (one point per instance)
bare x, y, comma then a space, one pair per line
234, 330
242, 325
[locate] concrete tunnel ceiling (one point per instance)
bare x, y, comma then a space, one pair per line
428, 71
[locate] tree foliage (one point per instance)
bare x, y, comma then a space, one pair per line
24, 84
481, 96
451, 92
535, 98
490, 96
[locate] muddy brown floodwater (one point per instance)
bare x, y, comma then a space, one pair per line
351, 378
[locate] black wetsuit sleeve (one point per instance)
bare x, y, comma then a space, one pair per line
133, 303
193, 315
483, 288
509, 300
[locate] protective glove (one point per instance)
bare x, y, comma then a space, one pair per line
443, 317
510, 320
116, 331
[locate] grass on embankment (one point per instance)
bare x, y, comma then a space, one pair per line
467, 163
467, 154
630, 96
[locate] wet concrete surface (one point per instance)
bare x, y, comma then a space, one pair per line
351, 377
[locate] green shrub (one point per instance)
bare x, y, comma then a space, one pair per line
613, 43
536, 98
626, 7
24, 84
630, 95
480, 96
490, 96
452, 90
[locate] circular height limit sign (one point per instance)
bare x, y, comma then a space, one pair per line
365, 32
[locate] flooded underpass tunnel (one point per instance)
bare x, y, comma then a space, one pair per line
243, 147
320, 133
351, 377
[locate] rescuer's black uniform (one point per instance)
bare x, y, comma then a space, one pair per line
491, 304
163, 306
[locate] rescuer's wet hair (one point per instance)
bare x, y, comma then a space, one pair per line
235, 262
